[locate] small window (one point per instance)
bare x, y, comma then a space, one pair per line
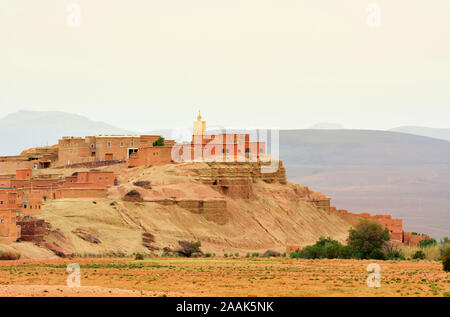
122, 144
260, 150
132, 143
108, 144
1, 202
106, 179
99, 179
92, 146
24, 206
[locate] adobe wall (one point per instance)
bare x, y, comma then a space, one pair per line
30, 204
9, 229
32, 229
395, 226
98, 179
24, 174
151, 156
11, 166
411, 239
80, 193
5, 182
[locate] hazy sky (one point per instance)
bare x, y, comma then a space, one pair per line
145, 65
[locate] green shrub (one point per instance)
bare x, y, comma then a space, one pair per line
419, 255
427, 242
188, 248
159, 142
446, 260
367, 237
347, 252
139, 256
377, 254
207, 255
247, 255
323, 248
225, 255
392, 250
236, 254
294, 255
396, 255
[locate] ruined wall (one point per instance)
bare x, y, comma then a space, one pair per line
32, 229
235, 179
395, 226
412, 239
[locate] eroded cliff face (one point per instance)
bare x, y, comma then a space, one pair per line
228, 207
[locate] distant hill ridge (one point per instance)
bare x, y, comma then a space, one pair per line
26, 129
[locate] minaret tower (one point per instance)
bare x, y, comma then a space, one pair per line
199, 125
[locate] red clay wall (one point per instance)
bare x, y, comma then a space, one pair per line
148, 156
9, 231
24, 174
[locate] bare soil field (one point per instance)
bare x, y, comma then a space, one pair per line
225, 277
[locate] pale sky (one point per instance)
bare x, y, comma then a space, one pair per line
145, 65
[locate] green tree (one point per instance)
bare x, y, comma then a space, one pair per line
446, 259
367, 237
427, 242
159, 142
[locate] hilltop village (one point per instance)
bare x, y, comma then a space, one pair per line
26, 186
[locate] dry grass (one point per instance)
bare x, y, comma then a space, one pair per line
432, 253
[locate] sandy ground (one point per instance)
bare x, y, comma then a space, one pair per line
223, 277
65, 291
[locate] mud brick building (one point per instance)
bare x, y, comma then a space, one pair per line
74, 150
225, 147
36, 158
9, 230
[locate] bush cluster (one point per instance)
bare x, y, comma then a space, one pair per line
446, 259
427, 242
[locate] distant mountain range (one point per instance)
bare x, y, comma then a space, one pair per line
395, 172
26, 129
443, 134
327, 126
